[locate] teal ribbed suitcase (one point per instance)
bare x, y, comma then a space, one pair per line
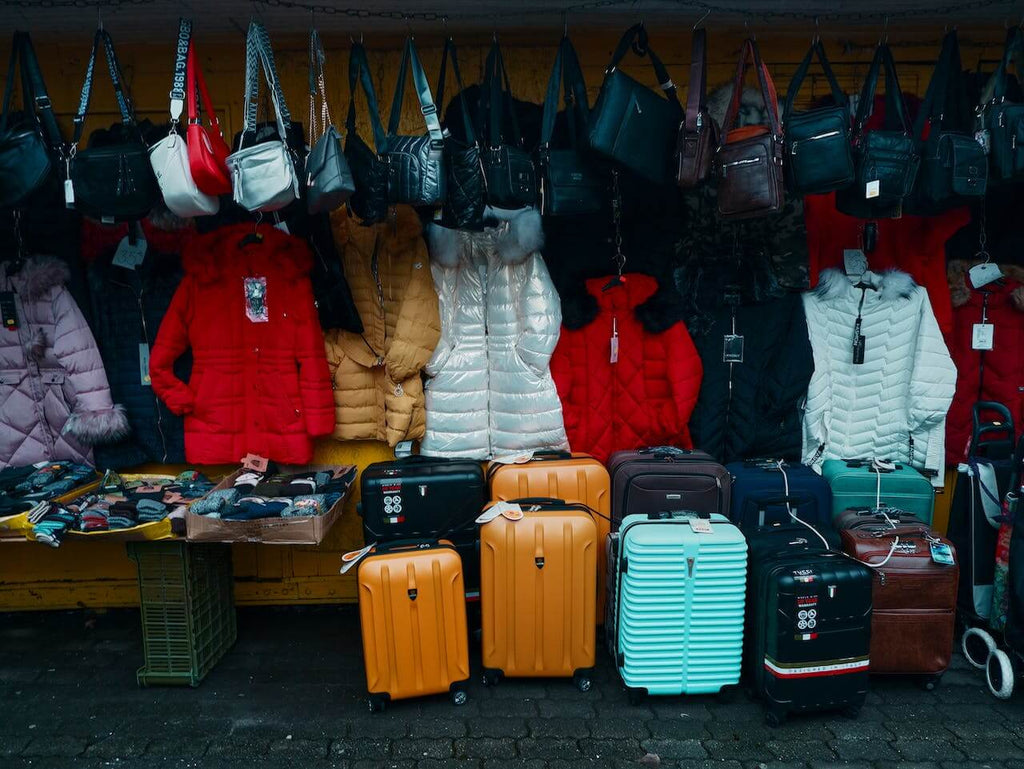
855, 483
675, 603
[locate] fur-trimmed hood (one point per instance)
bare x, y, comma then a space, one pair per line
38, 274
517, 235
890, 284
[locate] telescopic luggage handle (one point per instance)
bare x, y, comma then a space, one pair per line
993, 447
416, 543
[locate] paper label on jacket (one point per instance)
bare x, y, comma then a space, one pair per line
8, 310
130, 255
256, 299
872, 189
144, 365
983, 337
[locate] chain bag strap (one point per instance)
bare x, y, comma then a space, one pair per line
329, 181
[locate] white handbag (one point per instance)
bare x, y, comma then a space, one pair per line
263, 176
169, 156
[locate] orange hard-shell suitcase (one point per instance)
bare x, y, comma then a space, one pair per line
412, 609
575, 477
538, 583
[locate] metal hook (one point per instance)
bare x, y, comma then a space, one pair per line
707, 12
817, 32
565, 22
746, 29
408, 25
99, 17
885, 31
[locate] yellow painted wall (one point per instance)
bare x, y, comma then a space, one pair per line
100, 575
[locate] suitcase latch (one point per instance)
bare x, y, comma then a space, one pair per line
413, 592
539, 561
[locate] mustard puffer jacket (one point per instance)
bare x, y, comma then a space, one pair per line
378, 392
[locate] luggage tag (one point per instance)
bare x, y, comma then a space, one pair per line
511, 511
514, 459
700, 525
9, 310
983, 336
351, 558
256, 299
144, 365
872, 189
255, 462
942, 553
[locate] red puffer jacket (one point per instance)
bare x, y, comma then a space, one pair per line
259, 380
643, 398
993, 375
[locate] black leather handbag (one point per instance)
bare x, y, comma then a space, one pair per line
954, 168
112, 179
29, 141
508, 168
329, 181
569, 183
370, 200
463, 207
817, 155
631, 124
1002, 121
886, 159
415, 163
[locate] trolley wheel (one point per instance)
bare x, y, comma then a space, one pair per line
930, 683
977, 645
999, 673
376, 704
491, 677
774, 718
851, 711
582, 681
459, 697
637, 696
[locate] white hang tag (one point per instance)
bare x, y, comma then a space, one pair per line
855, 262
514, 459
984, 273
69, 193
983, 336
130, 255
511, 511
403, 449
283, 226
883, 465
872, 189
614, 357
144, 365
350, 559
700, 525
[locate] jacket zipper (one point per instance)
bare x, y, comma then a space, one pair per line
728, 404
744, 162
483, 269
816, 137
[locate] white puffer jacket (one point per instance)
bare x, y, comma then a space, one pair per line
893, 405
490, 391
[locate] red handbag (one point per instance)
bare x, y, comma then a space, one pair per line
207, 150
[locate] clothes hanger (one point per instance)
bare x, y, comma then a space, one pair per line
254, 237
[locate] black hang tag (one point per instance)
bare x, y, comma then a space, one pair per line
732, 348
8, 310
858, 349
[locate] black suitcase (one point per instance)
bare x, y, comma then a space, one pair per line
808, 623
425, 497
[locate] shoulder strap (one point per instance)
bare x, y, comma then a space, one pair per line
499, 98
895, 108
124, 105
35, 92
566, 74
179, 81
410, 59
359, 74
697, 93
636, 38
318, 125
943, 75
467, 122
1012, 54
12, 65
260, 55
196, 86
752, 53
817, 49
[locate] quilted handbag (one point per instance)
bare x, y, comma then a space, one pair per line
263, 175
632, 125
329, 181
698, 136
170, 156
207, 150
818, 155
886, 159
1002, 121
508, 168
415, 164
748, 164
569, 184
954, 168
111, 179
27, 146
370, 200
464, 204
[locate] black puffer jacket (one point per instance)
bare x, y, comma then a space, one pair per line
758, 414
127, 307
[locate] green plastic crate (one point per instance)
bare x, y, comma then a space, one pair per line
187, 605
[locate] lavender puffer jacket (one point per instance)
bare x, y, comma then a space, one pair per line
54, 397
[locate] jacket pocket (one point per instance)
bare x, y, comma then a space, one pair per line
54, 383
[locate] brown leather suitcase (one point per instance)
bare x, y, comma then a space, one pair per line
664, 479
861, 517
914, 598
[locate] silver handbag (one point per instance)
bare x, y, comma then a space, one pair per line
263, 176
329, 181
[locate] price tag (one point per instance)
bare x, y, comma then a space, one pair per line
255, 462
8, 310
69, 193
144, 365
511, 511
700, 525
732, 349
614, 357
513, 459
872, 189
256, 299
942, 553
855, 262
283, 226
983, 336
350, 559
130, 255
983, 274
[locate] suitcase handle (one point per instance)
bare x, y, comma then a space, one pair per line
761, 506
546, 455
407, 544
664, 452
553, 502
855, 463
996, 447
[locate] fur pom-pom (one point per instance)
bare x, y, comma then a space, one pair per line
443, 245
94, 428
890, 284
37, 347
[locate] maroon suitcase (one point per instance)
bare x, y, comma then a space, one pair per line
664, 478
863, 517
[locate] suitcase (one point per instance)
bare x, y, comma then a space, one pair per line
538, 593
914, 598
424, 498
808, 623
859, 517
412, 611
573, 477
675, 603
760, 489
855, 483
661, 478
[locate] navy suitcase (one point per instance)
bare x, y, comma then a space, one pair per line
760, 489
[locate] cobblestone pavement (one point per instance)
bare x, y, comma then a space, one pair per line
290, 694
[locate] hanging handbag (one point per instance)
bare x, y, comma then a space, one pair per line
508, 168
631, 124
748, 163
817, 158
369, 202
263, 175
207, 150
1002, 121
464, 204
954, 169
27, 145
110, 181
569, 184
885, 159
329, 181
170, 156
698, 136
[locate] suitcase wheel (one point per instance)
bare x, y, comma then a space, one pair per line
851, 711
977, 645
636, 696
999, 673
377, 703
727, 694
459, 697
491, 677
581, 678
775, 718
931, 683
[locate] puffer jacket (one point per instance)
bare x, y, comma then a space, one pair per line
259, 380
990, 375
490, 391
378, 392
54, 398
893, 405
642, 398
